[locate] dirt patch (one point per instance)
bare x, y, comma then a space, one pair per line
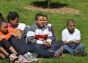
62, 10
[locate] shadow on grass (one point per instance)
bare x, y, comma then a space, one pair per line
45, 4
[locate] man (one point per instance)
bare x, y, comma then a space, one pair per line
71, 38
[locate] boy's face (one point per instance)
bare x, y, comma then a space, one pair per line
45, 20
71, 27
15, 22
40, 21
4, 28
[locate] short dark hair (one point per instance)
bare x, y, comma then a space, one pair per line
12, 16
70, 20
2, 18
45, 16
37, 15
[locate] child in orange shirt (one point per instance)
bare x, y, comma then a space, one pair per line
5, 38
18, 30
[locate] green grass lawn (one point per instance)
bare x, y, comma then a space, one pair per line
57, 19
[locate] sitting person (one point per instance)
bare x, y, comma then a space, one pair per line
71, 38
41, 40
17, 30
50, 27
4, 44
13, 23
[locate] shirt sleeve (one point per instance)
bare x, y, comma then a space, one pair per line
21, 26
78, 35
51, 34
64, 37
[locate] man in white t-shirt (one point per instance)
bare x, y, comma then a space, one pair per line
71, 38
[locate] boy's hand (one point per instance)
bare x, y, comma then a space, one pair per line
1, 37
47, 44
18, 34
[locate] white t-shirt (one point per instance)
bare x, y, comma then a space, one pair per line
22, 26
66, 36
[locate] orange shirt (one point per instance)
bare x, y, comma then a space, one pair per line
12, 30
2, 36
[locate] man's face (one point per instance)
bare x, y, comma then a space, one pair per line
15, 22
71, 27
40, 21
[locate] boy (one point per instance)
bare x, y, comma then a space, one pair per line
71, 38
41, 40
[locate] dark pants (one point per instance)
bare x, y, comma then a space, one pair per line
43, 50
20, 45
5, 43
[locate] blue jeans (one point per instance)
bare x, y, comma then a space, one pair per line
72, 48
43, 50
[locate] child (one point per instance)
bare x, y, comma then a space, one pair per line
50, 28
5, 39
13, 22
1, 54
71, 38
40, 38
18, 30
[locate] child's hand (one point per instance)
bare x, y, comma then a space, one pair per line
1, 37
47, 44
18, 34
49, 41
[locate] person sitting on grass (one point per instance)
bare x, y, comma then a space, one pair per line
5, 45
71, 38
50, 27
17, 30
41, 40
13, 23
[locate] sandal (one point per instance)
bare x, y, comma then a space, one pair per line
21, 59
13, 58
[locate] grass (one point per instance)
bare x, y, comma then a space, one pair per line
58, 20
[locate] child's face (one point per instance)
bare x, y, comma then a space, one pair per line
45, 20
40, 21
71, 27
4, 28
15, 22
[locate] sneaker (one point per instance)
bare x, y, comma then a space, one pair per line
34, 57
29, 56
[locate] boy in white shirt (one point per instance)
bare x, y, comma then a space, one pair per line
71, 39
